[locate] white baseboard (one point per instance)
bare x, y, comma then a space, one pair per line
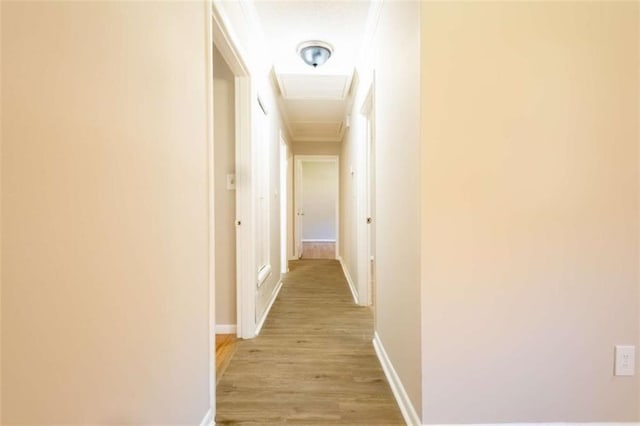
274, 296
226, 329
406, 407
540, 424
208, 419
352, 286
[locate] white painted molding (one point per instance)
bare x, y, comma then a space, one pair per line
263, 274
227, 41
210, 27
226, 329
347, 275
208, 419
408, 412
273, 298
541, 424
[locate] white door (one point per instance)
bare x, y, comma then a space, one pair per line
367, 220
371, 204
284, 166
298, 208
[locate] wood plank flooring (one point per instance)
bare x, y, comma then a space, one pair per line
226, 345
313, 363
318, 250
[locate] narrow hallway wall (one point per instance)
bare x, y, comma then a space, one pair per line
397, 193
530, 215
104, 213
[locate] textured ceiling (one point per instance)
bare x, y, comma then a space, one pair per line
314, 100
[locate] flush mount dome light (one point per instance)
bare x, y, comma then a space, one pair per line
315, 53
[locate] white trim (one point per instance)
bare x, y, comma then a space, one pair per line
365, 200
407, 409
261, 178
274, 296
245, 238
226, 329
283, 193
352, 287
371, 26
227, 42
263, 274
318, 241
208, 419
211, 261
543, 424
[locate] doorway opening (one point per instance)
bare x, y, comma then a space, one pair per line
224, 159
284, 211
368, 256
316, 206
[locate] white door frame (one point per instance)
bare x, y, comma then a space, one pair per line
245, 235
284, 198
246, 97
366, 227
219, 34
298, 160
209, 37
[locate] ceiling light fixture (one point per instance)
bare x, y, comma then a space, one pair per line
315, 52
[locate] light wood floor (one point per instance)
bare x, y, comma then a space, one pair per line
313, 363
226, 345
318, 250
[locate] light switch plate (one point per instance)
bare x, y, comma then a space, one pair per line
231, 181
625, 363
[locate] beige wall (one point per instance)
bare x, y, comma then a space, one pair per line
316, 148
397, 193
530, 210
225, 199
105, 213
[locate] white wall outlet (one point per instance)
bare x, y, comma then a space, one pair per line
625, 364
231, 181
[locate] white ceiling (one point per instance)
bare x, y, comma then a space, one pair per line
314, 100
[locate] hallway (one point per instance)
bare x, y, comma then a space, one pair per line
313, 362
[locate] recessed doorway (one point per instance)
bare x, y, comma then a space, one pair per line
316, 206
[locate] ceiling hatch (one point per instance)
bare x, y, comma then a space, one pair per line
304, 86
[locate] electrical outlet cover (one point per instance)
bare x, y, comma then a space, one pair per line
625, 362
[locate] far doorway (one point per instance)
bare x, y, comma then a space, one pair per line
316, 206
